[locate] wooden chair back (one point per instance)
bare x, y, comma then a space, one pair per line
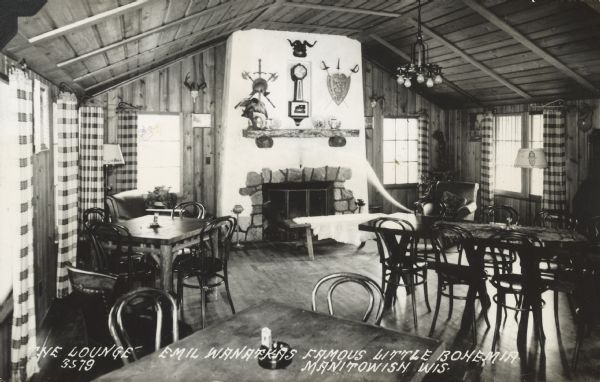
146, 304
374, 291
189, 210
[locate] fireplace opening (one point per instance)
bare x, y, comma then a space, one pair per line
289, 200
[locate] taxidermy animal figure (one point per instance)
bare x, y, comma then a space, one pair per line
300, 47
195, 86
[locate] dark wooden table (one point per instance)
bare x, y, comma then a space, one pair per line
163, 242
483, 236
302, 329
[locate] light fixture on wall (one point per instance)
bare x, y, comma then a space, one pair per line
419, 69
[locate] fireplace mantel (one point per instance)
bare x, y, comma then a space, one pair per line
300, 133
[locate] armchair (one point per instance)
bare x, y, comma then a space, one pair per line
433, 204
126, 205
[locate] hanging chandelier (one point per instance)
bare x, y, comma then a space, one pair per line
419, 69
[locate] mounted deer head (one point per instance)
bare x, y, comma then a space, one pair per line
194, 87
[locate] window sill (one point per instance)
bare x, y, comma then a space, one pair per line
518, 196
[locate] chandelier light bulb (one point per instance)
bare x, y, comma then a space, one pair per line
429, 82
400, 80
420, 78
438, 79
407, 83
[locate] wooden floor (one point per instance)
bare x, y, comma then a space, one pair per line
283, 273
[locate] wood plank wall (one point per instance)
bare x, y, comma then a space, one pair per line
396, 101
465, 155
163, 91
45, 249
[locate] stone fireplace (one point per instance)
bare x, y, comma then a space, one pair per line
342, 199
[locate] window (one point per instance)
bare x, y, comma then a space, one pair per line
400, 159
512, 133
159, 151
508, 142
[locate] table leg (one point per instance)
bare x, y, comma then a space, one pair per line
475, 258
309, 243
166, 267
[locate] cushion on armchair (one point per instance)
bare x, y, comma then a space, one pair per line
127, 205
452, 202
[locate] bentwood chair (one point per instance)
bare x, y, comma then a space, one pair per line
506, 281
136, 315
90, 217
448, 236
208, 267
400, 266
114, 245
557, 269
499, 214
189, 210
94, 293
336, 279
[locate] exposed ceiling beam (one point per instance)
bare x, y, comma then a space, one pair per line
300, 26
430, 32
127, 77
156, 48
525, 41
405, 56
341, 9
92, 20
594, 4
467, 57
157, 30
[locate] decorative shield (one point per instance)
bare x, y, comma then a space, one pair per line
338, 85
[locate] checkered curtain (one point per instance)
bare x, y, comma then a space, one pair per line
126, 175
91, 177
423, 147
488, 158
67, 154
555, 189
23, 360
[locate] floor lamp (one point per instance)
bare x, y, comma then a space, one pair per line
531, 158
111, 156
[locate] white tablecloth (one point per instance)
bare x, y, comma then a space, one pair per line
344, 228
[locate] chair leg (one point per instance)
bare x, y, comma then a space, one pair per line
451, 300
180, 293
538, 324
578, 341
499, 306
228, 292
413, 299
437, 306
556, 310
202, 301
474, 325
425, 291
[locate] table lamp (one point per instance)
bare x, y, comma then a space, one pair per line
531, 158
111, 156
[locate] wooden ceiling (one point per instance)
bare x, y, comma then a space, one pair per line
491, 51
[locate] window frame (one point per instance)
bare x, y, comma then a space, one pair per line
181, 143
408, 185
526, 173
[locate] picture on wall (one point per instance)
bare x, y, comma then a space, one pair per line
475, 127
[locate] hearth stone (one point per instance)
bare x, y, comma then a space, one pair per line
278, 177
257, 197
332, 173
294, 175
340, 205
253, 179
318, 174
307, 173
266, 175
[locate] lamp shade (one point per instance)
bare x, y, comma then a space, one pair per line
531, 158
112, 155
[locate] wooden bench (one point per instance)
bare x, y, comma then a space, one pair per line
290, 224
